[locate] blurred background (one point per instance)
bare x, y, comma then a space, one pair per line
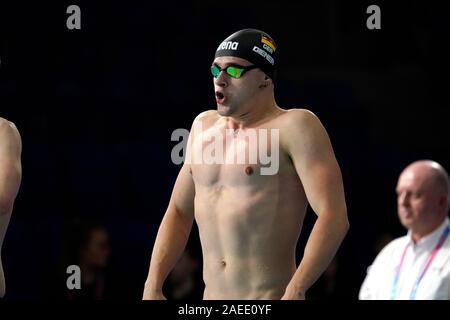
96, 108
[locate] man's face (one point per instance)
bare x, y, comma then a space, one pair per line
233, 95
96, 252
417, 199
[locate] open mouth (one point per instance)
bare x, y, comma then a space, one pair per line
220, 97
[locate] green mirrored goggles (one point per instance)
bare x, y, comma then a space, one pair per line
233, 70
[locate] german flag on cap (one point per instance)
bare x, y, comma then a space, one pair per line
269, 42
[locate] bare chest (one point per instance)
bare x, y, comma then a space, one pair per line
236, 157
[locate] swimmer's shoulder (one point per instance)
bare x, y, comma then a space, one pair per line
8, 130
6, 125
298, 117
207, 118
300, 125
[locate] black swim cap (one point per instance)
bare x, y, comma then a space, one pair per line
254, 46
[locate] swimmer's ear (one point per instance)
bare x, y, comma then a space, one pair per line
266, 82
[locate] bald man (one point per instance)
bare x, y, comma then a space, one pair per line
10, 177
416, 266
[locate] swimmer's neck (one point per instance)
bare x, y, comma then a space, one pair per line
253, 117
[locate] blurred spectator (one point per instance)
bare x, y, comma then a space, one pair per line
415, 266
87, 245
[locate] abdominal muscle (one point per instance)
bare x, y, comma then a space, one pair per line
248, 239
238, 279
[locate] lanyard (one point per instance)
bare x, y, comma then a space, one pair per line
427, 265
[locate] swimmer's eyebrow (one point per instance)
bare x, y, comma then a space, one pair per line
232, 64
221, 65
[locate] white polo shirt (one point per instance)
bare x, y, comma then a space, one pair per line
380, 283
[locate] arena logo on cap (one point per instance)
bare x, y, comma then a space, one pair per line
228, 45
264, 54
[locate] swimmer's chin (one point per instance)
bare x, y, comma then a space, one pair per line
223, 110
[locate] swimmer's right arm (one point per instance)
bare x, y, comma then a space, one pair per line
177, 223
172, 234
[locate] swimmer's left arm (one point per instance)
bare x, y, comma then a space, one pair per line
309, 146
